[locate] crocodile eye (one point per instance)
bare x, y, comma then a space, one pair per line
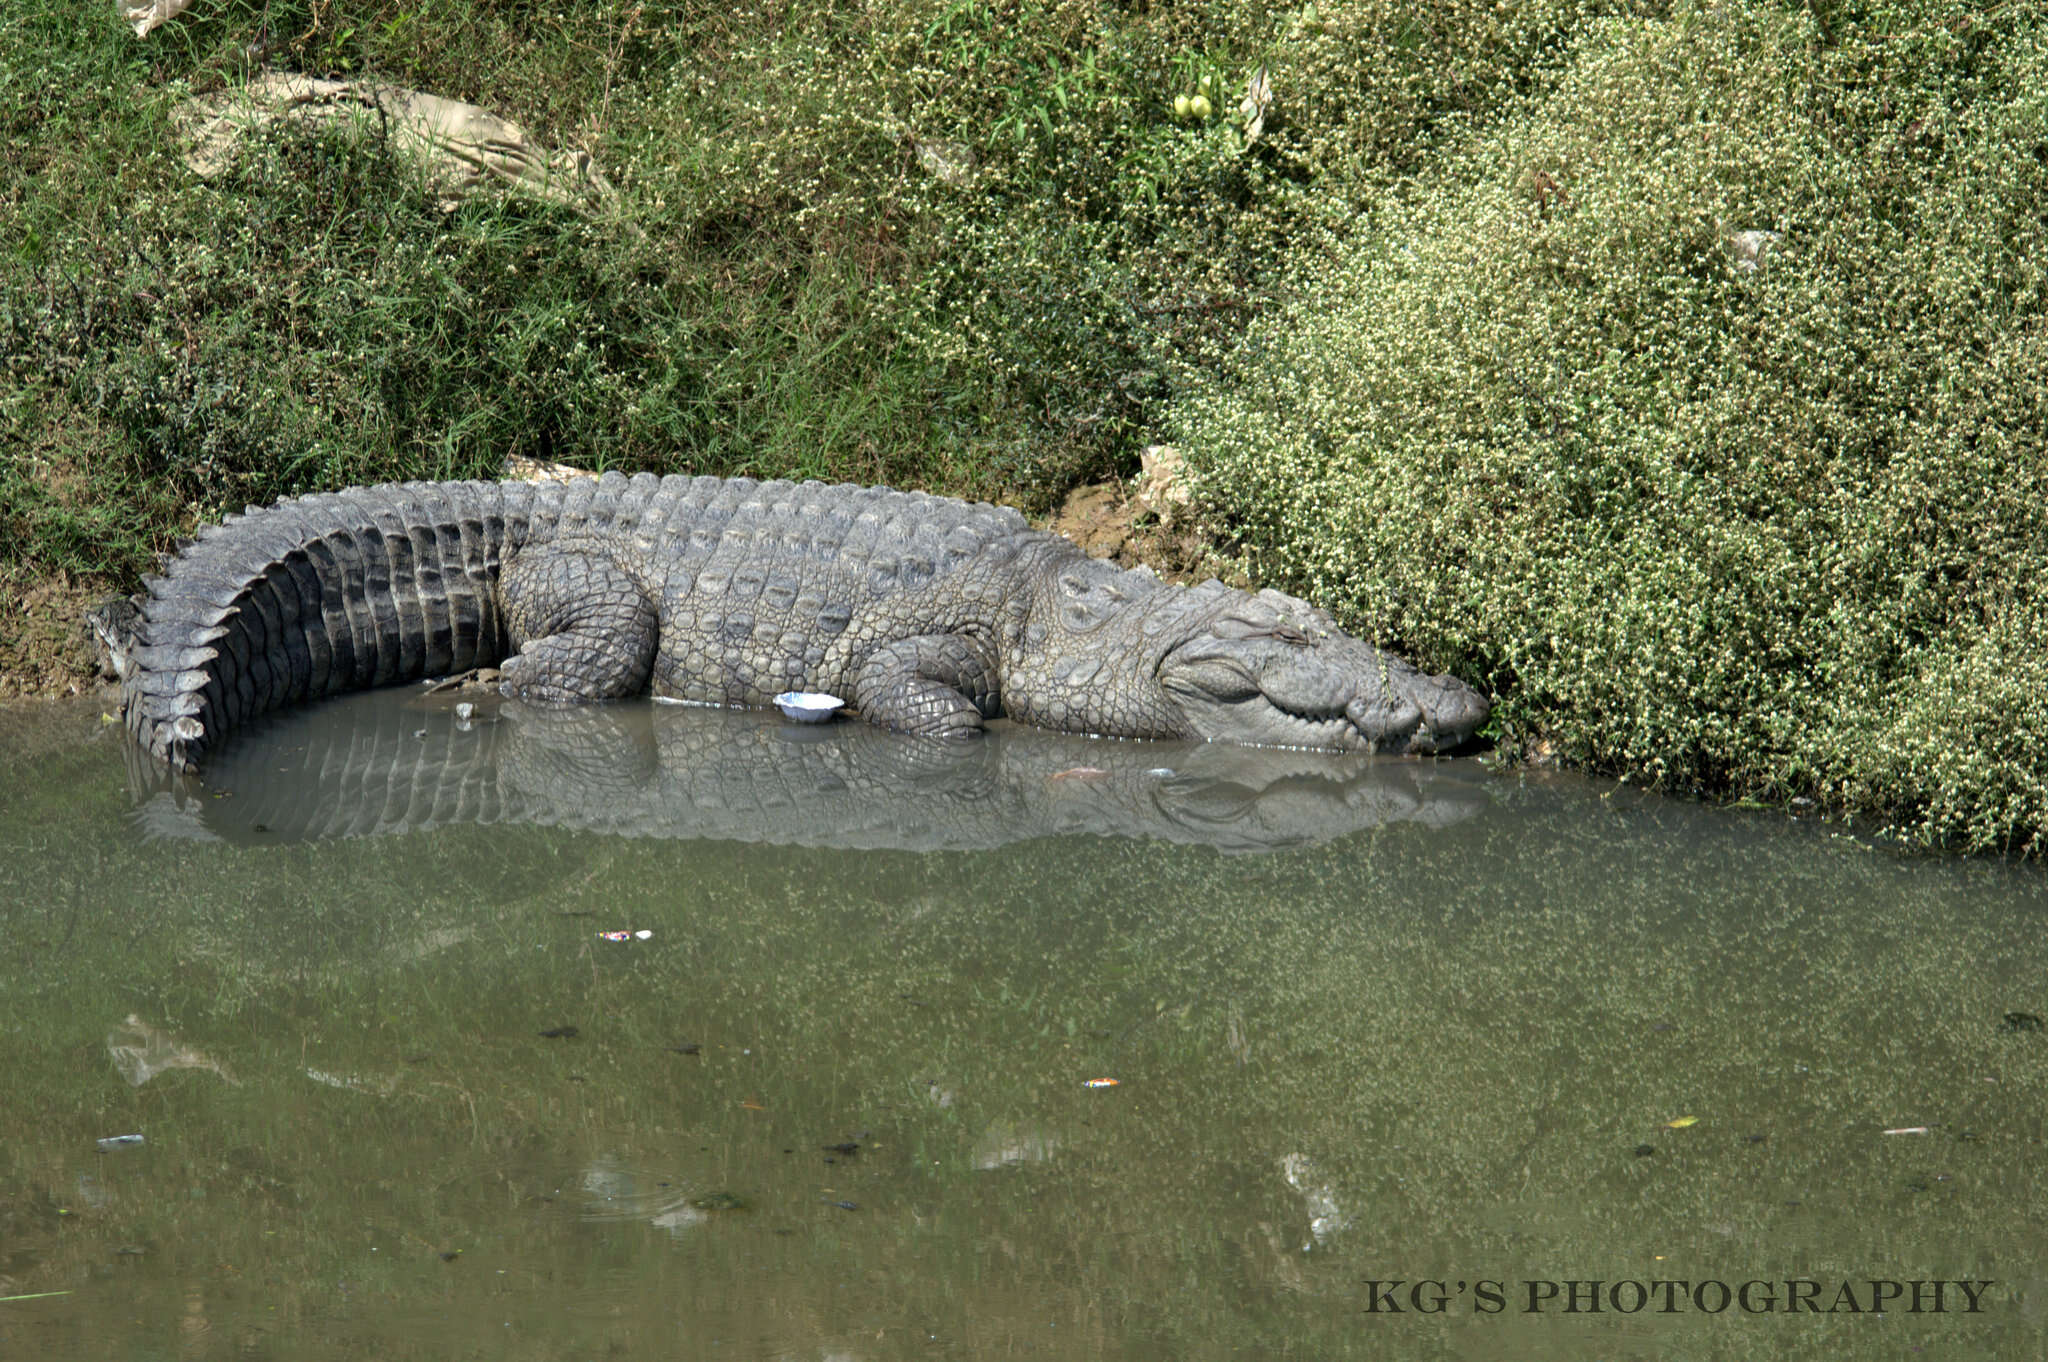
1260, 624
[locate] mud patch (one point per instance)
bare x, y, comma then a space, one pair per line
45, 648
1108, 522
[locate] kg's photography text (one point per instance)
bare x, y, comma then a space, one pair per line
1786, 1295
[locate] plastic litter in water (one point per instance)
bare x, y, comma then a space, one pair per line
808, 706
113, 1142
1101, 1083
640, 935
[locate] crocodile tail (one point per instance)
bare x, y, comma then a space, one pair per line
318, 595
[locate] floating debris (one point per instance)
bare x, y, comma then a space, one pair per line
1102, 1083
808, 706
1080, 773
2020, 1021
1318, 1197
1907, 1130
351, 1083
1681, 1122
559, 1033
114, 1142
641, 935
475, 681
141, 1052
1644, 1151
678, 1218
690, 1048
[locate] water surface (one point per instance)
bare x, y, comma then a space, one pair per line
399, 1097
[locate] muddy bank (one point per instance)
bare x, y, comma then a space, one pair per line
45, 647
1109, 521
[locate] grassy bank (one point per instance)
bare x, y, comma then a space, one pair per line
1673, 370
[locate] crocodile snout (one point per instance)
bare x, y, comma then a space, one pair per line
1450, 713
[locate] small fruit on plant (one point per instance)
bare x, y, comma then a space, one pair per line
1200, 106
1180, 106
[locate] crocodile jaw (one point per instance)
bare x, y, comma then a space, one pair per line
1332, 693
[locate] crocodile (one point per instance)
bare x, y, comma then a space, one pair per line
928, 614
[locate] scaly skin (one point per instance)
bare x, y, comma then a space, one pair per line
928, 614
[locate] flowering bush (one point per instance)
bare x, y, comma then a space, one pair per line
1697, 407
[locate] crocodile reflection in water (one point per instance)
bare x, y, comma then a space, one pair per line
384, 763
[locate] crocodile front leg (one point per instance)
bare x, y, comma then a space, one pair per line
583, 627
932, 685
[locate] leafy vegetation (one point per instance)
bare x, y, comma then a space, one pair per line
1670, 368
1699, 404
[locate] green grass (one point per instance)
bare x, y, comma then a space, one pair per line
789, 288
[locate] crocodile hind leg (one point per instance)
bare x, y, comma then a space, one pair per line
933, 685
584, 628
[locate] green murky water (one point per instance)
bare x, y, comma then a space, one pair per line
400, 1099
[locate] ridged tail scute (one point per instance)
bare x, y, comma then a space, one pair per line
324, 594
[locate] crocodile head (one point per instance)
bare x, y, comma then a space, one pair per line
1271, 670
